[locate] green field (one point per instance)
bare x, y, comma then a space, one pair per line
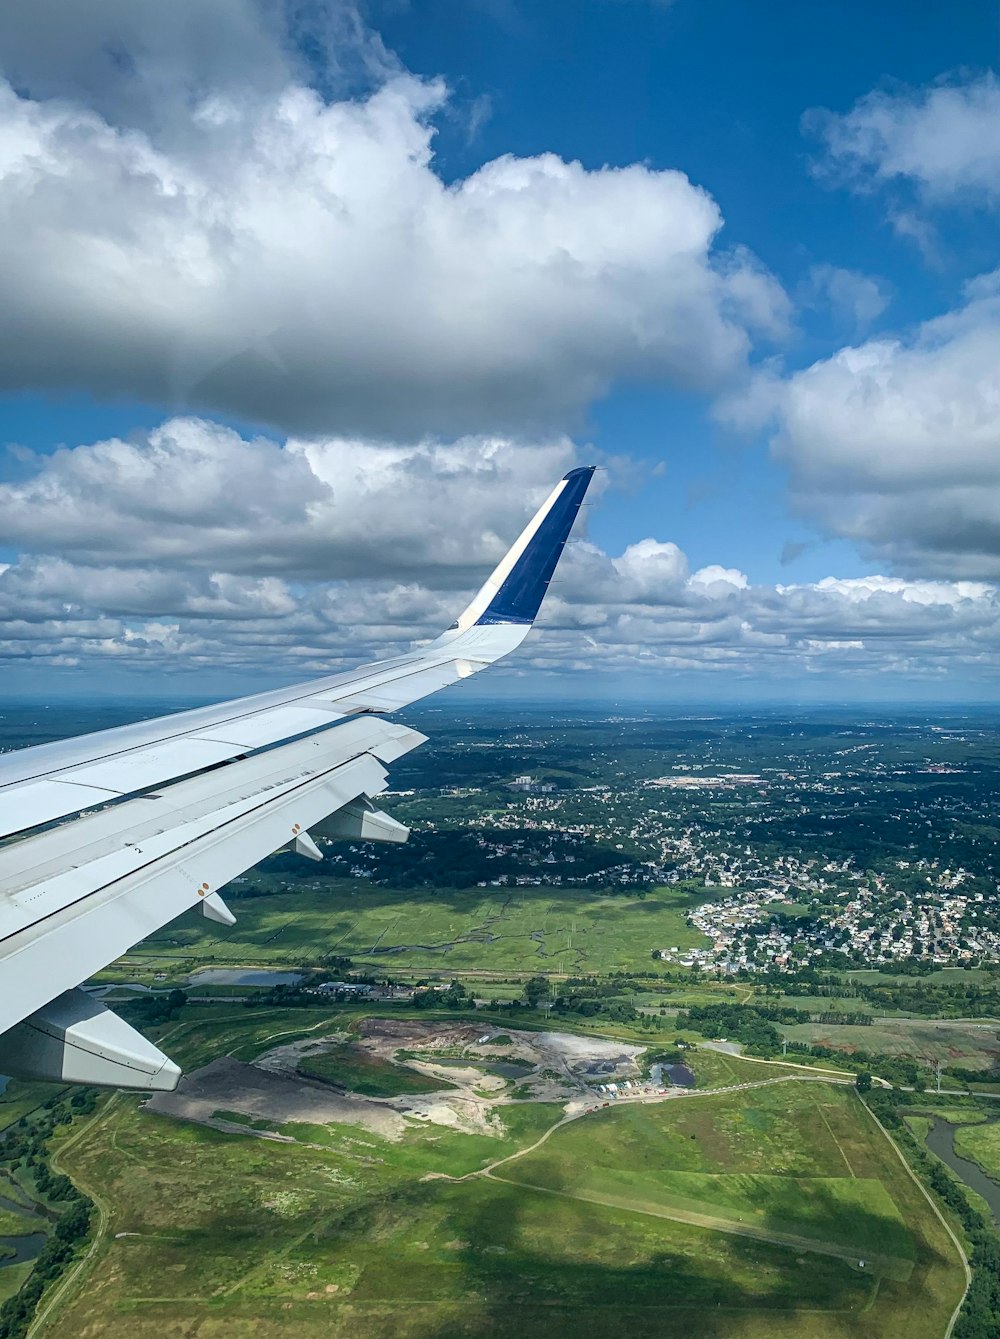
981, 1143
966, 1042
13, 1224
574, 931
793, 1161
342, 1234
350, 1067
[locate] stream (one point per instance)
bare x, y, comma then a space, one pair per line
941, 1141
27, 1246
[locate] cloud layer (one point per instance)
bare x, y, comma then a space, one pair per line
167, 553
193, 215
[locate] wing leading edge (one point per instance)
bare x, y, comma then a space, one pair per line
234, 782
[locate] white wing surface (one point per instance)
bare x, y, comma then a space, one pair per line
153, 818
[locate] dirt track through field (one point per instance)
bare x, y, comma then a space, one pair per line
891, 1266
678, 1095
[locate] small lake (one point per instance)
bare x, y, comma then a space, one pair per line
676, 1076
941, 1141
230, 976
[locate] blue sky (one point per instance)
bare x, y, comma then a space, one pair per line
806, 512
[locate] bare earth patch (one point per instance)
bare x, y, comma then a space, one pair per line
558, 1067
254, 1091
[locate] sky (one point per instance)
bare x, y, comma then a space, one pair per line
307, 304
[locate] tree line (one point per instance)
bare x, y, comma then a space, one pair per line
25, 1147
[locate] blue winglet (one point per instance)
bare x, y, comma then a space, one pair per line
519, 598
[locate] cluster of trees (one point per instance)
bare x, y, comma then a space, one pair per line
896, 1069
751, 1025
953, 999
154, 1010
454, 997
973, 1075
25, 1146
460, 858
591, 1006
71, 1227
962, 997
584, 996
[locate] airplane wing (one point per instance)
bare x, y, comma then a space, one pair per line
140, 823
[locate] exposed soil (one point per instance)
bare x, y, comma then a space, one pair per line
230, 1085
558, 1067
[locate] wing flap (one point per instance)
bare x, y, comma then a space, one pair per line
123, 873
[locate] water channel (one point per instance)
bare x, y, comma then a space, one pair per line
25, 1246
941, 1141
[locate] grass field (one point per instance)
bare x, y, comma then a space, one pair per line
966, 1042
350, 1067
795, 1161
13, 1224
574, 931
981, 1143
230, 1236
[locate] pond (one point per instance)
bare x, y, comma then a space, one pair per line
235, 976
676, 1076
941, 1141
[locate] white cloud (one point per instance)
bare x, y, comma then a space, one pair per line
142, 567
944, 140
855, 300
895, 443
178, 230
195, 495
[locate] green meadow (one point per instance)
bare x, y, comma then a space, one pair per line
981, 1143
723, 1215
794, 1161
573, 931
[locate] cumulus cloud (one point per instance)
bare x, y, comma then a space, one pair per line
196, 495
141, 566
944, 139
178, 231
895, 443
